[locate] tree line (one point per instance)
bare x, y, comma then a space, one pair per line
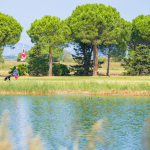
92, 28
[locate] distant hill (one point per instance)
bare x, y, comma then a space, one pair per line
10, 57
14, 52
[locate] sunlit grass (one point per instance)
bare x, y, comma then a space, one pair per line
85, 78
44, 87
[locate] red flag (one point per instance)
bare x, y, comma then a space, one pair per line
23, 55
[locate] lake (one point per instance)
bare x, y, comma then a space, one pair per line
58, 118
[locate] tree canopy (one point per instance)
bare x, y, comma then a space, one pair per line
10, 31
96, 24
140, 30
51, 32
116, 45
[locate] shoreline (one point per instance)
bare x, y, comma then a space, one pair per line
101, 93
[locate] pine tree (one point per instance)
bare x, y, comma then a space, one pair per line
139, 62
49, 31
38, 62
83, 58
97, 24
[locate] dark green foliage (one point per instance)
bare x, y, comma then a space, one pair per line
21, 68
38, 62
83, 58
20, 55
139, 62
39, 58
60, 70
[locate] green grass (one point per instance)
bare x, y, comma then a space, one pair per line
4, 69
86, 78
92, 87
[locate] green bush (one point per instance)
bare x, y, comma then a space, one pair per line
60, 70
21, 68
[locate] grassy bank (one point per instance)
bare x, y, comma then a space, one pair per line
79, 87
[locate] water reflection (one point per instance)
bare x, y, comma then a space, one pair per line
71, 121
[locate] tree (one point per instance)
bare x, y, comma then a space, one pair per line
83, 58
115, 44
50, 32
10, 31
57, 53
38, 62
140, 31
139, 63
20, 56
94, 23
38, 59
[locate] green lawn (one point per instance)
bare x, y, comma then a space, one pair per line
86, 78
4, 69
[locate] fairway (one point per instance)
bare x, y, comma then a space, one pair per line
119, 79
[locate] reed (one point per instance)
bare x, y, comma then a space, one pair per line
5, 142
101, 88
34, 143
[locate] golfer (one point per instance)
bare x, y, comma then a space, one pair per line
16, 73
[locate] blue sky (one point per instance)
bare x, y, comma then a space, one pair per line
26, 11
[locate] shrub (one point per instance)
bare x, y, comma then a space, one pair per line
60, 70
21, 68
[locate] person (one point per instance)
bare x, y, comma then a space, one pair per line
16, 73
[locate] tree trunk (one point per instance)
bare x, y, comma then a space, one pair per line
108, 65
134, 46
50, 63
95, 60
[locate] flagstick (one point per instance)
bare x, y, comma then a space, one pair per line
27, 69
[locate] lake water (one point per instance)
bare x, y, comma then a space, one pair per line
55, 117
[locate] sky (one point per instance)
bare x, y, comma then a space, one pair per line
26, 11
